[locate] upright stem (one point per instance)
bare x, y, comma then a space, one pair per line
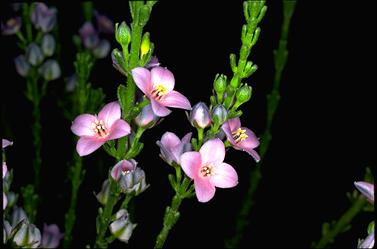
70, 217
170, 218
342, 223
280, 58
104, 218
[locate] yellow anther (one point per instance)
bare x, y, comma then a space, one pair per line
239, 135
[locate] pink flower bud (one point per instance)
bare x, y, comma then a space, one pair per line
200, 116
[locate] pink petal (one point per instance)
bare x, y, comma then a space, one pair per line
110, 113
162, 76
119, 129
82, 125
253, 153
159, 109
5, 169
204, 189
367, 189
169, 140
123, 165
177, 100
224, 176
87, 145
212, 151
5, 201
234, 123
187, 138
190, 163
250, 142
142, 78
228, 132
6, 143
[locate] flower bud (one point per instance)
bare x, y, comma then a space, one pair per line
22, 66
43, 18
103, 195
6, 231
5, 201
18, 215
50, 70
28, 235
104, 24
122, 34
200, 117
11, 27
220, 84
144, 13
153, 62
122, 227
71, 83
48, 45
102, 49
146, 118
51, 236
34, 54
12, 199
243, 94
220, 113
235, 81
145, 45
118, 60
89, 35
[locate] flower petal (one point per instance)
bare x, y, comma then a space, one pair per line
87, 145
367, 189
234, 123
5, 169
110, 113
142, 78
159, 109
224, 176
119, 129
6, 143
5, 201
250, 142
187, 138
212, 151
82, 125
253, 153
169, 140
162, 76
190, 163
177, 100
228, 132
204, 189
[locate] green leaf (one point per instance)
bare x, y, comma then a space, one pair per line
122, 90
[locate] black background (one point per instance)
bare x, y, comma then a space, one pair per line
324, 132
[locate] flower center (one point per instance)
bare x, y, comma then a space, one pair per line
159, 91
99, 128
239, 135
206, 170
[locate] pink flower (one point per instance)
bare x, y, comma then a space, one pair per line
123, 167
208, 170
367, 189
158, 85
241, 138
95, 130
171, 147
51, 236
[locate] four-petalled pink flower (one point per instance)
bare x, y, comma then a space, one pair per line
158, 85
208, 170
241, 137
95, 130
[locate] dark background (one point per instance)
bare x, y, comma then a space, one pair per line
324, 131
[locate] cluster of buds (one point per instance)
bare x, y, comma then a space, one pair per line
38, 52
89, 36
19, 231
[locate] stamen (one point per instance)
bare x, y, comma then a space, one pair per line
239, 135
99, 128
206, 170
158, 92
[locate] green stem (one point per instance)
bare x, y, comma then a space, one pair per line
342, 223
171, 217
200, 136
105, 217
70, 217
273, 98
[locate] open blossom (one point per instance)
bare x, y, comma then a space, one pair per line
171, 147
367, 189
11, 27
241, 138
158, 85
51, 236
95, 130
208, 170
